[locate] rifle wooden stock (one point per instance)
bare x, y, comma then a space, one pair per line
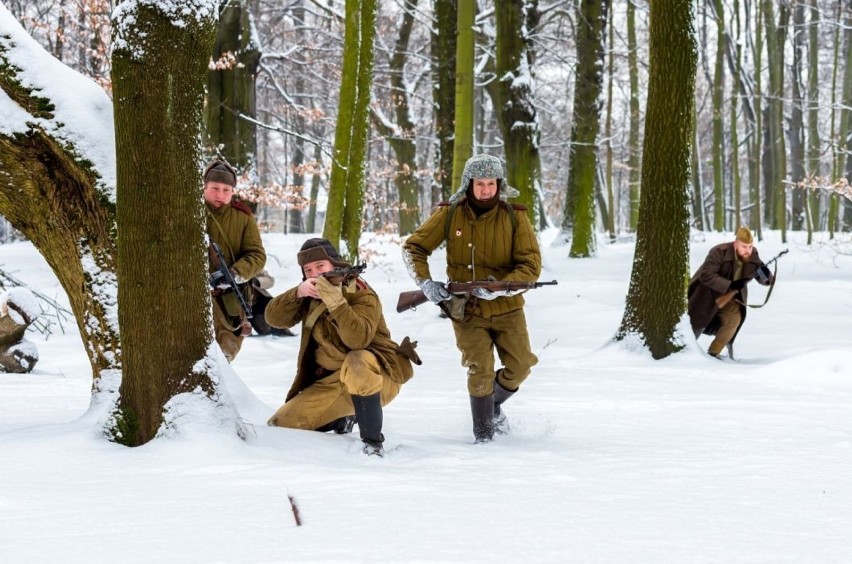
414, 298
723, 300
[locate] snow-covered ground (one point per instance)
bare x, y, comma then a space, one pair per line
614, 457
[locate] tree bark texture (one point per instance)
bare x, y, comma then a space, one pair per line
443, 52
401, 136
516, 22
634, 149
356, 178
656, 297
579, 212
718, 148
164, 301
231, 90
59, 202
463, 131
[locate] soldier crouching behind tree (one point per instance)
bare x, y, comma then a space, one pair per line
486, 238
231, 226
728, 267
347, 362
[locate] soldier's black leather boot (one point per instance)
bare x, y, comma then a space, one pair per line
482, 410
368, 413
501, 394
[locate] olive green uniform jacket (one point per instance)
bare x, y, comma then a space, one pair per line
359, 324
711, 280
234, 229
479, 247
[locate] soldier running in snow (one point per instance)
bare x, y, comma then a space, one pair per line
727, 268
486, 237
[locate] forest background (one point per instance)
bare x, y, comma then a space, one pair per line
773, 101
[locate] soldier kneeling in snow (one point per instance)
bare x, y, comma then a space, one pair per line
348, 364
18, 308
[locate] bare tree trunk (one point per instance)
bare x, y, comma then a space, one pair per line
776, 165
653, 307
735, 145
633, 147
579, 211
356, 178
757, 137
164, 302
400, 135
718, 148
464, 111
231, 91
814, 148
443, 52
516, 23
797, 120
610, 218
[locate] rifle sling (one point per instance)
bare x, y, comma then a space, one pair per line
769, 293
316, 310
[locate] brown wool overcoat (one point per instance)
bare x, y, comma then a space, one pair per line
357, 325
479, 247
711, 280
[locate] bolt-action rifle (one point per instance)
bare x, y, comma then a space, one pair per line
723, 300
344, 274
414, 298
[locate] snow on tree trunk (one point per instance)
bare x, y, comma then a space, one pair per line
159, 72
521, 130
57, 182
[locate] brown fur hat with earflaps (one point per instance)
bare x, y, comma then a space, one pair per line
218, 170
319, 249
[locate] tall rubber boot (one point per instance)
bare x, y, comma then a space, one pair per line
501, 394
482, 410
368, 413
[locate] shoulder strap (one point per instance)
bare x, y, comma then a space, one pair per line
510, 208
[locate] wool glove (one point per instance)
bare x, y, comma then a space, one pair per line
485, 294
331, 295
237, 278
436, 292
738, 284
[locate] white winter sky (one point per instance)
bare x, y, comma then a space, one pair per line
614, 457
